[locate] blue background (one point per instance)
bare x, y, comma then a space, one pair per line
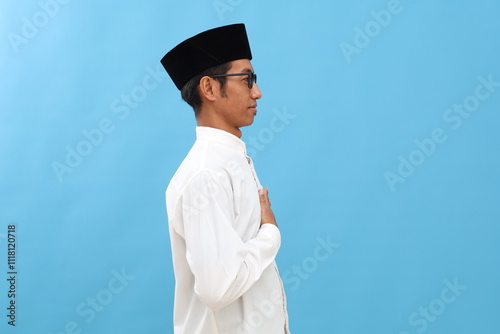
353, 117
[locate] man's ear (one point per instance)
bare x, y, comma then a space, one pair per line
207, 89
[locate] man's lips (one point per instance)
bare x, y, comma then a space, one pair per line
253, 108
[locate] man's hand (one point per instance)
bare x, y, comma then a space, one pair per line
267, 215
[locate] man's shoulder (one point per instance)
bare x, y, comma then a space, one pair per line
201, 161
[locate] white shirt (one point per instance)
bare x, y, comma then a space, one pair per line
226, 277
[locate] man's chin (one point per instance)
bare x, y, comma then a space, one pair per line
247, 123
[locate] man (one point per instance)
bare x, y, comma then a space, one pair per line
223, 232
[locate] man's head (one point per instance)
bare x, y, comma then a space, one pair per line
232, 105
214, 74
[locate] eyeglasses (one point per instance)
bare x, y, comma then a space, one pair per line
252, 77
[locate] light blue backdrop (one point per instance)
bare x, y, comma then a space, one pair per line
377, 136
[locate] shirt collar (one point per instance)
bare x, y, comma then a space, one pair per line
221, 137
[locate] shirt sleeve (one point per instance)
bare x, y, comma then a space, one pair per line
224, 267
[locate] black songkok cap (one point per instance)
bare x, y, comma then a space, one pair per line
205, 50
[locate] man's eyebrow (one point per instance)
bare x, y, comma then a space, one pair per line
247, 70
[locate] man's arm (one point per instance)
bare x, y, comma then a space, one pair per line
223, 265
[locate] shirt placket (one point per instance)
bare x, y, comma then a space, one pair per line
259, 186
254, 173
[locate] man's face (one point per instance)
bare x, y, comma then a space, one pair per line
238, 107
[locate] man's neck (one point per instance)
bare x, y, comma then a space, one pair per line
212, 122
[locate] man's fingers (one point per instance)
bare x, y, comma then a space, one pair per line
263, 196
267, 215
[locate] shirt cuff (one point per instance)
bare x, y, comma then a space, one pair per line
272, 232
